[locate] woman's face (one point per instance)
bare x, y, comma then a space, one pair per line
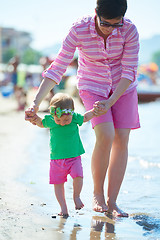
106, 26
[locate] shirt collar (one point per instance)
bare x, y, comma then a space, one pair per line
92, 27
115, 32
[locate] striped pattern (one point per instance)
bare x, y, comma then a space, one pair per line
99, 69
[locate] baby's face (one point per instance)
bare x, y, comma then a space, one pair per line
63, 120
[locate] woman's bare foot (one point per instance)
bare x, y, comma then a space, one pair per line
78, 203
99, 204
115, 210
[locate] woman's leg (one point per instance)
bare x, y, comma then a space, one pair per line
60, 195
100, 160
77, 187
117, 167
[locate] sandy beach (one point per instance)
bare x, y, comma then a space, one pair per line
27, 201
18, 207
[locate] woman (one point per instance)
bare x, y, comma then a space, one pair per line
108, 47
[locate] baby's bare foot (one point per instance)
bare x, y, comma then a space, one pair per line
64, 215
78, 203
115, 210
99, 204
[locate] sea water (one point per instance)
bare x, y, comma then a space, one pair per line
139, 194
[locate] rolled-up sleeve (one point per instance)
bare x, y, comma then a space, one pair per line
56, 70
130, 54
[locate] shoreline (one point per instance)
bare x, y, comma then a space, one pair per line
27, 202
21, 210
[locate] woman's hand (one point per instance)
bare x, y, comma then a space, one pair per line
30, 113
101, 107
46, 85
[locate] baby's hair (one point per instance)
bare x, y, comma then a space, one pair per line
62, 100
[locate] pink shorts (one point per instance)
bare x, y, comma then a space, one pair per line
60, 168
123, 114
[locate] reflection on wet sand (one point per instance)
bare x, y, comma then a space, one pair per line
63, 225
75, 231
100, 224
68, 228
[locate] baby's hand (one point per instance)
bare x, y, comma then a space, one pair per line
30, 112
34, 119
99, 108
95, 110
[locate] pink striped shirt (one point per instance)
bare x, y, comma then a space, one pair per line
99, 69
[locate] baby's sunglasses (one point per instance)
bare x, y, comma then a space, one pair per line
107, 25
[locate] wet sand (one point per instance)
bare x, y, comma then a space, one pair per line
27, 201
19, 218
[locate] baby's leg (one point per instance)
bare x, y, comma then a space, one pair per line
60, 195
77, 187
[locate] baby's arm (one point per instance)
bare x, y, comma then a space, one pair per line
89, 115
36, 120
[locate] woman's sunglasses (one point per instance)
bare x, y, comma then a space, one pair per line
105, 24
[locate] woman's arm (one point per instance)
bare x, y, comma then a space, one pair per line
101, 107
53, 74
121, 88
129, 63
46, 85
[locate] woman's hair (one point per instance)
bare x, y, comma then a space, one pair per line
110, 9
62, 100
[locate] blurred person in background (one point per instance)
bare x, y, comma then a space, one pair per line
14, 62
13, 83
